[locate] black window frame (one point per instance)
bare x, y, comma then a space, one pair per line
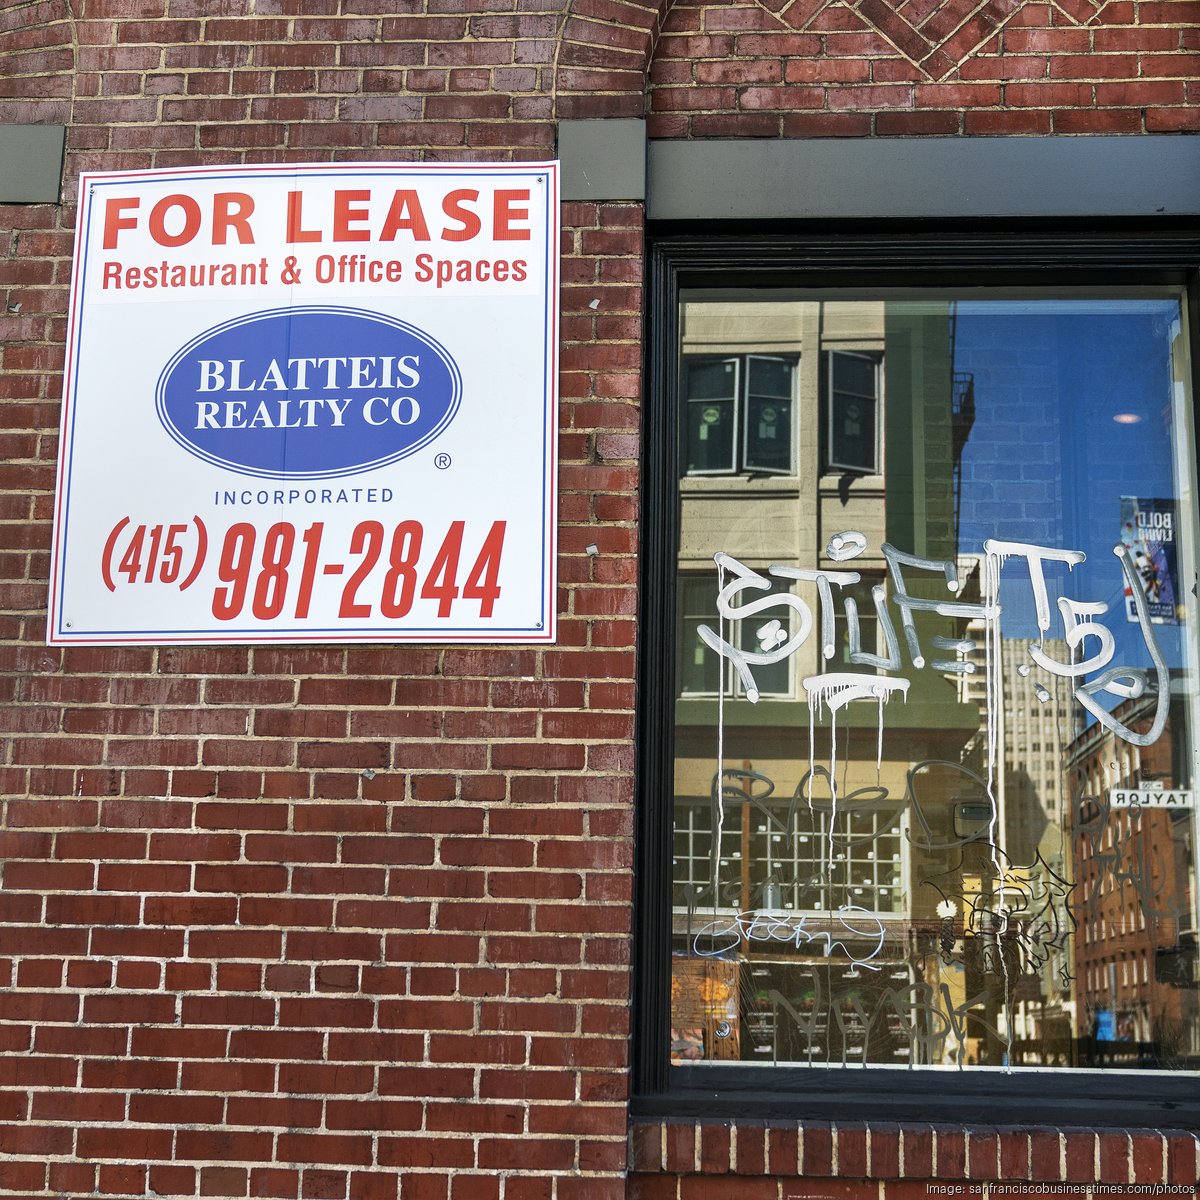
832, 256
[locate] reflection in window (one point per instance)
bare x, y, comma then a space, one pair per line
855, 635
972, 842
700, 670
853, 403
738, 415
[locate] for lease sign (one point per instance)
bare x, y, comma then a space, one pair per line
310, 403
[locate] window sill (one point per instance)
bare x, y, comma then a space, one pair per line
834, 479
735, 484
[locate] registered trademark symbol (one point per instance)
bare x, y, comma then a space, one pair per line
442, 461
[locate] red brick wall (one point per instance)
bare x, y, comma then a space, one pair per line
322, 921
355, 922
815, 68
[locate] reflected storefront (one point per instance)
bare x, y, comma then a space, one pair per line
936, 690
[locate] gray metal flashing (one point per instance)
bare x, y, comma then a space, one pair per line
603, 160
31, 158
832, 178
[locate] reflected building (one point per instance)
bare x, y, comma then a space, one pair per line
1039, 720
1133, 834
798, 929
1033, 726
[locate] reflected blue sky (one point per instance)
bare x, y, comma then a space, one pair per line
1047, 460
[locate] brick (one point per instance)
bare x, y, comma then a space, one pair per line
1171, 120
1181, 1157
223, 1145
950, 1152
1147, 1154
165, 1180
1045, 1155
1015, 1147
224, 1181
841, 1189
651, 1187
750, 1150
816, 1149
918, 124
144, 1144
983, 1154
1007, 122
851, 1149
783, 1146
373, 1185
885, 1151
403, 936
1081, 1151
68, 1176
1116, 1159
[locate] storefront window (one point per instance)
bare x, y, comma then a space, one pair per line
935, 702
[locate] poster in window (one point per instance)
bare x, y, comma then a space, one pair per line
1148, 530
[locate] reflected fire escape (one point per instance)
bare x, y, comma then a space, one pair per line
962, 419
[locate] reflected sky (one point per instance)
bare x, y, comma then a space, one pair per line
1073, 410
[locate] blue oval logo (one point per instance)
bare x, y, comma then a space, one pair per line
310, 391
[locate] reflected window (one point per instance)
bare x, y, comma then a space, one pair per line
856, 632
853, 391
738, 415
702, 673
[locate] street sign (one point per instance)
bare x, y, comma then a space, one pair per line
1149, 798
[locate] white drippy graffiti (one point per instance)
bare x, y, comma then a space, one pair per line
848, 544
746, 579
1034, 557
1079, 619
909, 604
1003, 918
838, 688
1079, 622
834, 691
848, 923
